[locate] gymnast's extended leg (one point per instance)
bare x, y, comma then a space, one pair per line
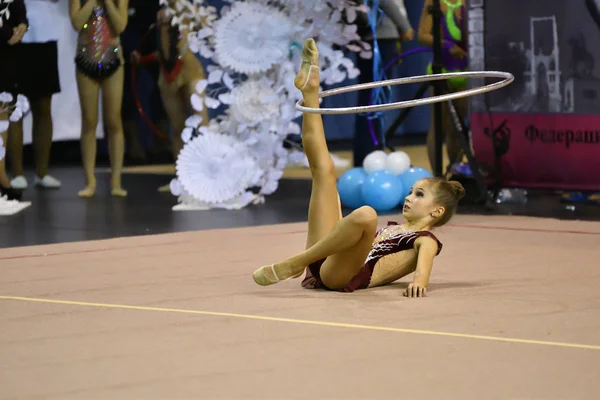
324, 209
328, 234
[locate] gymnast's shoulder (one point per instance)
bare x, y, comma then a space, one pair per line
428, 244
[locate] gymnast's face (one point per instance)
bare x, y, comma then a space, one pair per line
420, 202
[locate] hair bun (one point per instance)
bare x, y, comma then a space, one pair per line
458, 189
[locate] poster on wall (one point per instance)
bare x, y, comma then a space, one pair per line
547, 122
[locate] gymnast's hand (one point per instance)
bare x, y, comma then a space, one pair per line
408, 35
415, 290
18, 33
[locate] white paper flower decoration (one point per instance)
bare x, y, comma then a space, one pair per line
253, 101
215, 168
252, 37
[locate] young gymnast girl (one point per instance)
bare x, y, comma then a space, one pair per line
346, 254
99, 65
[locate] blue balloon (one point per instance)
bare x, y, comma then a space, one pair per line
349, 187
382, 190
411, 176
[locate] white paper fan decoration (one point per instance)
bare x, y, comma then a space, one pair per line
215, 168
254, 101
252, 37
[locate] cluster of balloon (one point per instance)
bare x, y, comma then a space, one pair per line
382, 182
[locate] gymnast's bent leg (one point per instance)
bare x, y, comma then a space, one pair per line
328, 234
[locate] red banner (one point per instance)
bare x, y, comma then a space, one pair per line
546, 151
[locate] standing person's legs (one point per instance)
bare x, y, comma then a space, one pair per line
8, 79
453, 147
176, 108
41, 109
112, 97
38, 81
5, 187
88, 98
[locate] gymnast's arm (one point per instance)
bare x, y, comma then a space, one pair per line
427, 249
117, 15
79, 15
424, 35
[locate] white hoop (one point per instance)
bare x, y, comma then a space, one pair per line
508, 78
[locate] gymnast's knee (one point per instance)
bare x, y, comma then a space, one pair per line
365, 217
88, 125
114, 127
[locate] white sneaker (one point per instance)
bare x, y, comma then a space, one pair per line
47, 182
19, 182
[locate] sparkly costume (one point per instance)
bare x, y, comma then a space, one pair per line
453, 34
97, 54
390, 240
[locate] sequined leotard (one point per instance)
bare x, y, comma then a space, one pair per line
98, 48
388, 241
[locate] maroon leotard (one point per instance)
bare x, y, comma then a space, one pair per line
397, 242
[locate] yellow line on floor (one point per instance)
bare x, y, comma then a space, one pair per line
305, 322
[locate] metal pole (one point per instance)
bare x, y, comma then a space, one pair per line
436, 66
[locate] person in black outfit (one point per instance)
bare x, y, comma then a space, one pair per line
11, 33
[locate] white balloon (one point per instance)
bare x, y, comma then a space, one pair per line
375, 161
397, 162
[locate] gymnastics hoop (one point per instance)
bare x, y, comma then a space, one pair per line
508, 78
